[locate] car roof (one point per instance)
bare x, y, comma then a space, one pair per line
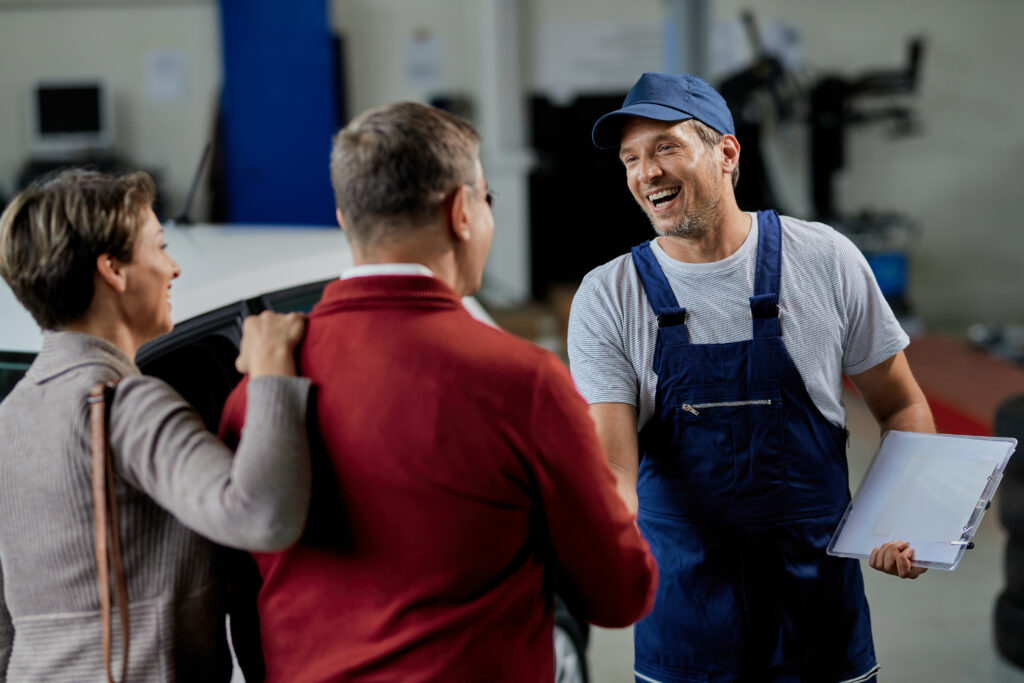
220, 264
224, 264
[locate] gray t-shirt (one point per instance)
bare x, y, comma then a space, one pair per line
834, 318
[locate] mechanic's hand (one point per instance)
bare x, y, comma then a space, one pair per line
894, 558
268, 343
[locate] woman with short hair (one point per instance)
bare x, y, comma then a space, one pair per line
84, 253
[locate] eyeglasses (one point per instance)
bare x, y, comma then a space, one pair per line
491, 196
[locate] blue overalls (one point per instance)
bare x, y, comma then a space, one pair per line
742, 482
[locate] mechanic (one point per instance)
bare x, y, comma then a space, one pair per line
712, 359
468, 482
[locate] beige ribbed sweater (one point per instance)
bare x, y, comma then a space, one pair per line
175, 481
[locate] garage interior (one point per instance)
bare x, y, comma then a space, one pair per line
920, 171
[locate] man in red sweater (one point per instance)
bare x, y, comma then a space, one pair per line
463, 482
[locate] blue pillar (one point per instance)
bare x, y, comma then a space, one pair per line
278, 111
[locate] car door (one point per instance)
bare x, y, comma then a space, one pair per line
13, 365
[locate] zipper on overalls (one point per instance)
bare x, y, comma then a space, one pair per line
692, 407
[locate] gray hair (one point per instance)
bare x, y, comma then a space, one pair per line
711, 137
52, 233
391, 168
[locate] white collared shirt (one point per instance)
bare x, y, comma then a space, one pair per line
371, 269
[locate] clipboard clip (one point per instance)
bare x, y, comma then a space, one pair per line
968, 532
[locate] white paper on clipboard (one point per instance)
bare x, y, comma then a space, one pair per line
930, 490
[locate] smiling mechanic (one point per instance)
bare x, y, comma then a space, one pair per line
723, 341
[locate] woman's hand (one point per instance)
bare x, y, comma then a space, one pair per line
268, 343
894, 558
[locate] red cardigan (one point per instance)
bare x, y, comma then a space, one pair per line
462, 480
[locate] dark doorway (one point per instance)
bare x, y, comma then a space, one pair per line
581, 212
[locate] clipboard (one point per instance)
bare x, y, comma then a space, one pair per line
930, 490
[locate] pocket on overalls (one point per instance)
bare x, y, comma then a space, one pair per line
731, 440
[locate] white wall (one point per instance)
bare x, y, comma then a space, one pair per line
958, 178
43, 39
376, 33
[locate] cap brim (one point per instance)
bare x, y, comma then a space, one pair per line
608, 130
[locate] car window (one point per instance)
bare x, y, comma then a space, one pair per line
198, 359
301, 298
13, 365
202, 371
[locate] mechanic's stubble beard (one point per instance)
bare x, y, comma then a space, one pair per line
693, 225
697, 221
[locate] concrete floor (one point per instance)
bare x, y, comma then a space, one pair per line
936, 629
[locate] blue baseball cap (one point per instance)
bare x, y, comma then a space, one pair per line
665, 97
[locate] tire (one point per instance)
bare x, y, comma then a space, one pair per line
570, 647
1013, 566
1011, 505
1009, 623
1009, 421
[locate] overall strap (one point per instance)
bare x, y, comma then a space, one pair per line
764, 305
671, 317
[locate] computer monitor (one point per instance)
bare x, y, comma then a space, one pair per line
70, 118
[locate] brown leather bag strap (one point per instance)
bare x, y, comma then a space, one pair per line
108, 536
